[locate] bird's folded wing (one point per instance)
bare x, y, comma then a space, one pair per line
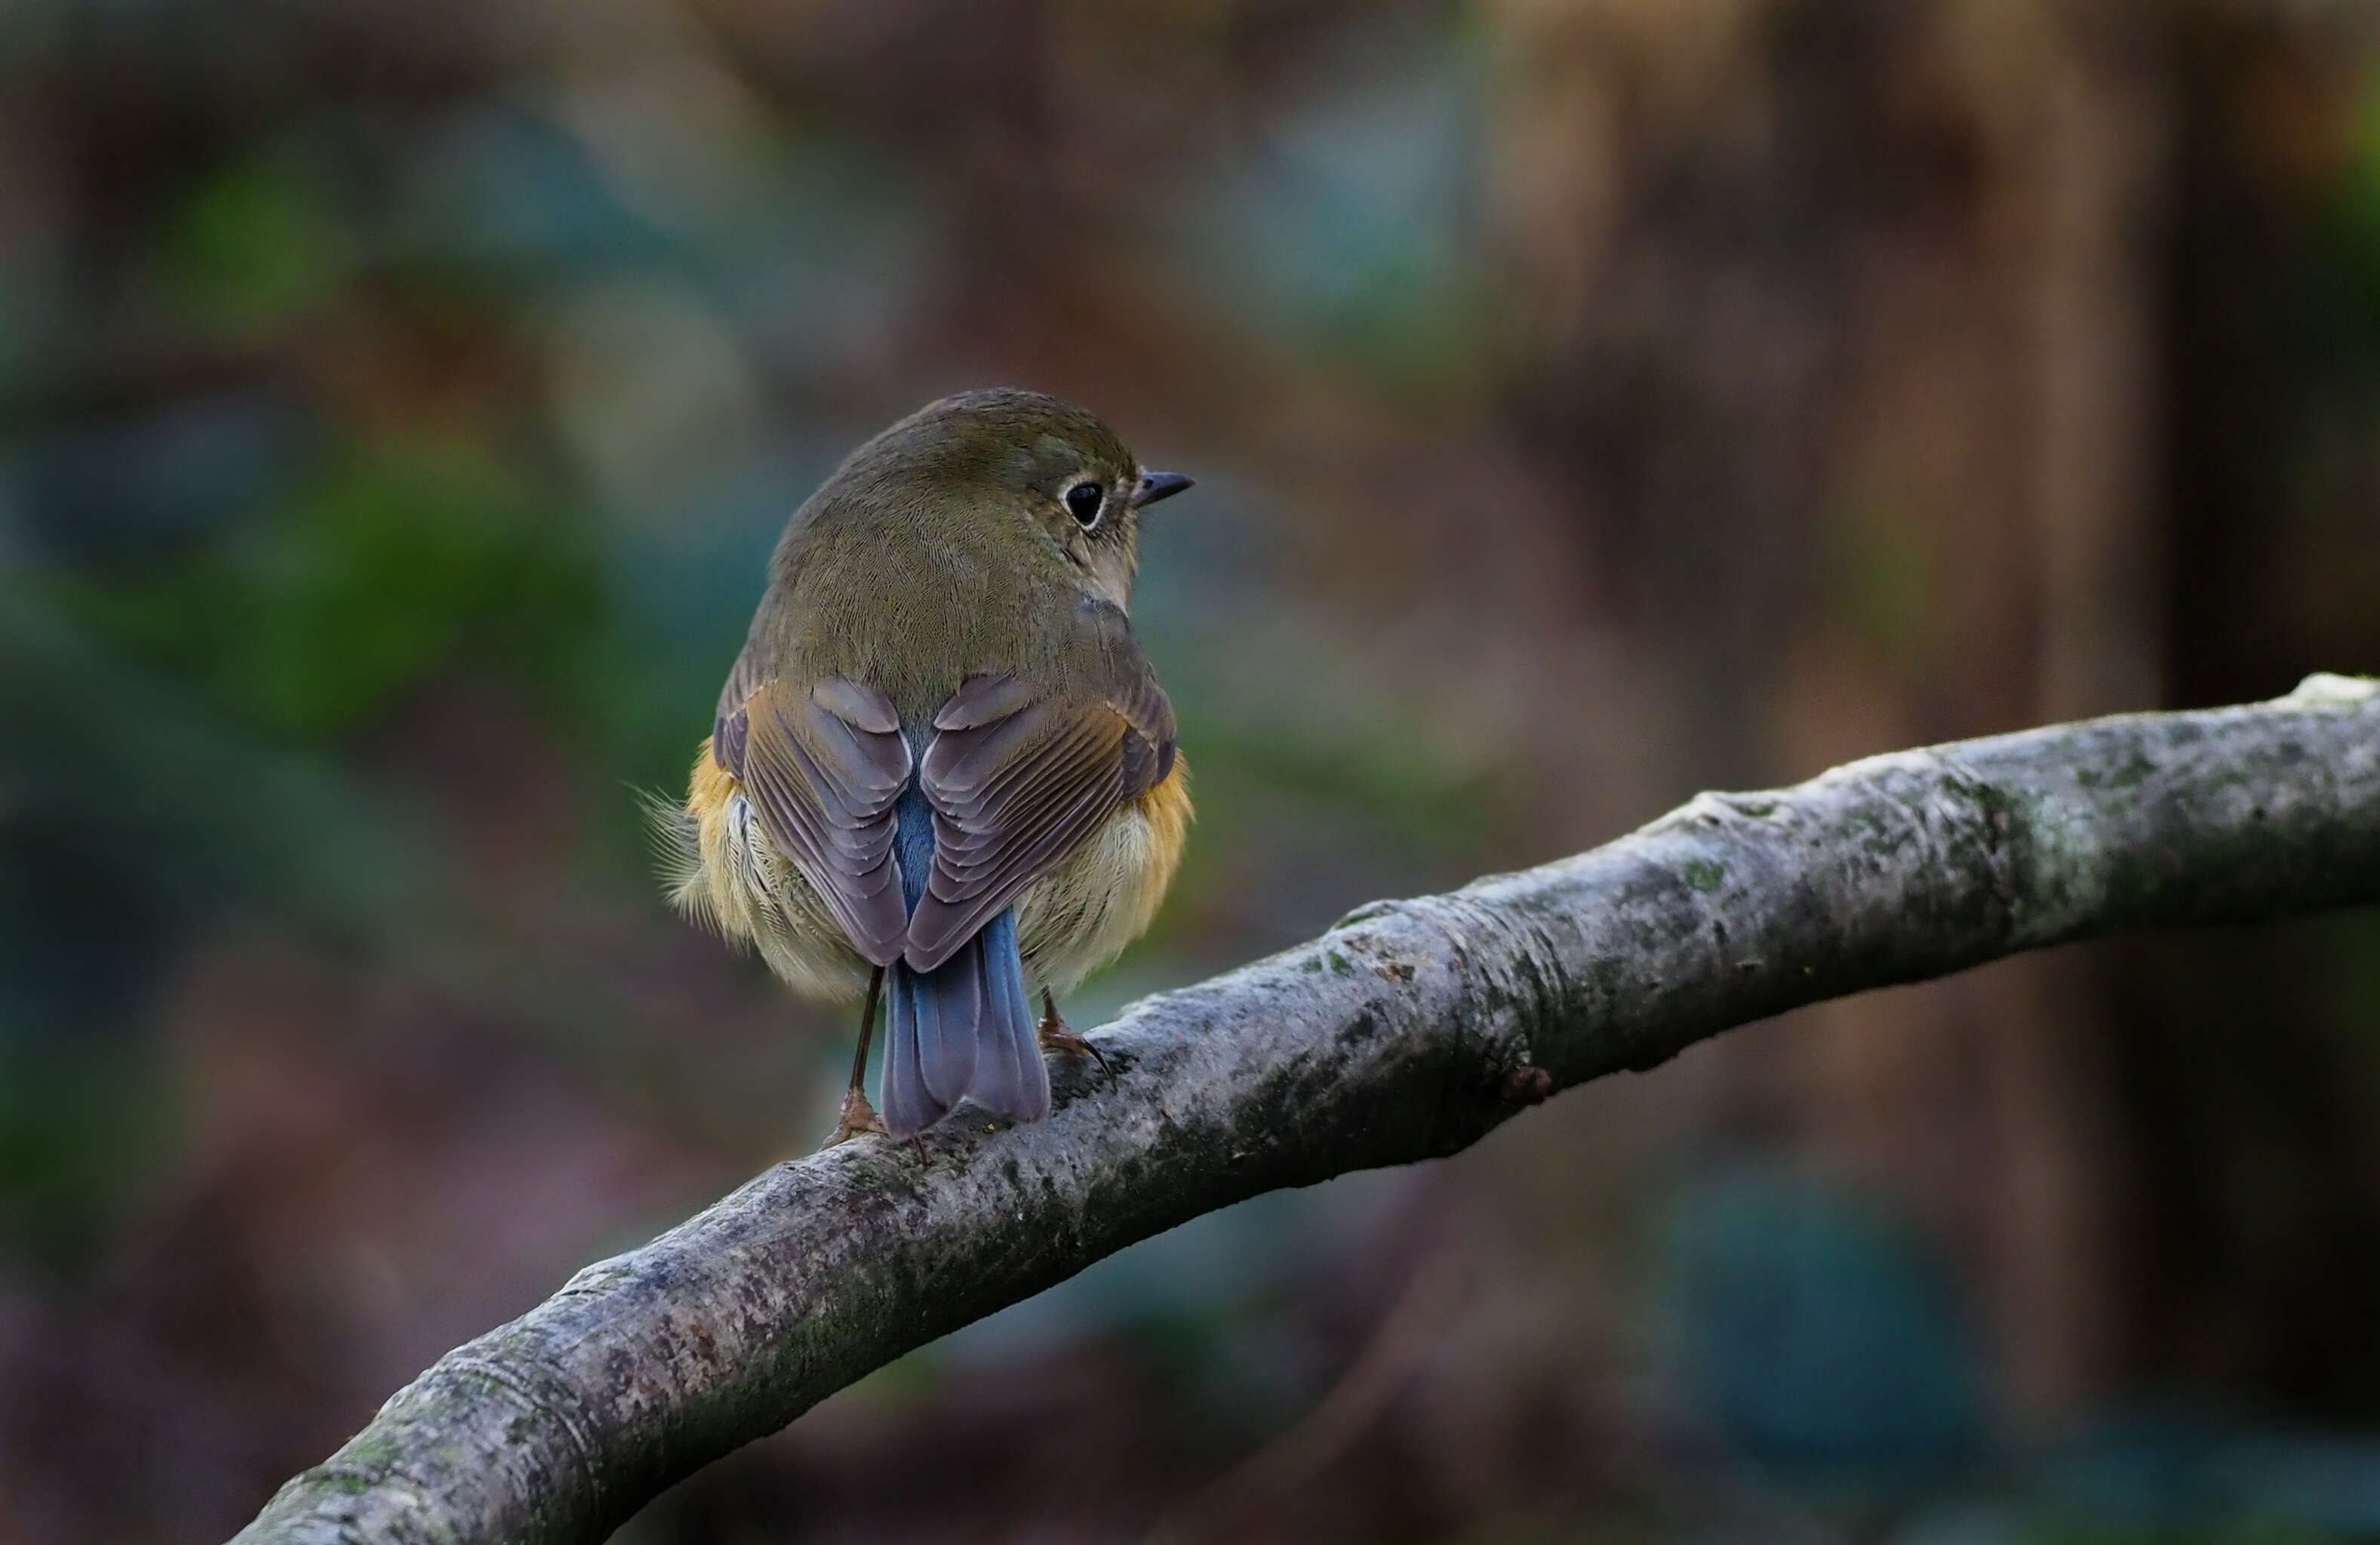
1016, 781
823, 767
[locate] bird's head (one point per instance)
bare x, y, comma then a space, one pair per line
1028, 469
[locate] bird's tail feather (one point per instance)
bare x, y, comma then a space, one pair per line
963, 1030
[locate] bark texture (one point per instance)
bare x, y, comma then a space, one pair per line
1406, 1032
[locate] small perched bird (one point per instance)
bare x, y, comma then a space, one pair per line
942, 758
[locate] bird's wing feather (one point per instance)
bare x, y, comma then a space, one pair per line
1017, 779
824, 767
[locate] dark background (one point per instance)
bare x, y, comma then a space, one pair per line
1592, 401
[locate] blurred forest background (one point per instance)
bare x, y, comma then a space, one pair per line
1592, 401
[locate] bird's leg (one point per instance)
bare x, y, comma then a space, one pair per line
858, 1116
1056, 1037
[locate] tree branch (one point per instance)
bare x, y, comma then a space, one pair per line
1405, 1033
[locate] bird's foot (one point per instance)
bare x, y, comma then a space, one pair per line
856, 1116
1056, 1037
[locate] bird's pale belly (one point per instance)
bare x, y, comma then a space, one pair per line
724, 872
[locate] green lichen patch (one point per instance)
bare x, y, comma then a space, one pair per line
1702, 874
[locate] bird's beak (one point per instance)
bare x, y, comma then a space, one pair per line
1154, 486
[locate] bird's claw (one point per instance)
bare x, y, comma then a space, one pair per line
1056, 1037
856, 1116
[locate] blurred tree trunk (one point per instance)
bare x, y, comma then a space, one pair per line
1850, 318
2247, 1086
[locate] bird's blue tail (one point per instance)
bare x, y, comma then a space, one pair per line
964, 1029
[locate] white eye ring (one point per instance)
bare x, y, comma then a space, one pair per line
1087, 511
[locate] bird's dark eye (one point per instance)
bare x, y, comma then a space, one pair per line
1084, 501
